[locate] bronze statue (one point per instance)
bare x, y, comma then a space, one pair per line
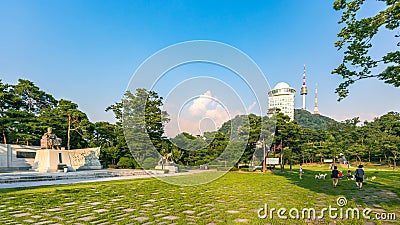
168, 157
166, 160
50, 141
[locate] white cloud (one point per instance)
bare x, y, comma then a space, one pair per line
204, 114
199, 105
251, 107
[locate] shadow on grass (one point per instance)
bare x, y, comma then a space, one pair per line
71, 187
384, 189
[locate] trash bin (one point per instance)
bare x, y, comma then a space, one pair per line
65, 169
60, 167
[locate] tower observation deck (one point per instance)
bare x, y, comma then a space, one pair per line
303, 90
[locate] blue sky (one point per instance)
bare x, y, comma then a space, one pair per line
87, 51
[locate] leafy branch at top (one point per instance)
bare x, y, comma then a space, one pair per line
355, 38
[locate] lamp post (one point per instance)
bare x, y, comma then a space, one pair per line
265, 158
162, 159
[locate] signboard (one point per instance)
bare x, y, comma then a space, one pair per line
27, 155
328, 160
272, 161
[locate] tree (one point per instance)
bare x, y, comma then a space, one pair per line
110, 138
69, 123
356, 38
19, 105
217, 144
390, 127
143, 124
286, 136
6, 100
23, 127
32, 99
391, 146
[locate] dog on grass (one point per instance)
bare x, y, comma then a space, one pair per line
320, 176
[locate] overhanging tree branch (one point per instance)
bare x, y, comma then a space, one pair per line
356, 40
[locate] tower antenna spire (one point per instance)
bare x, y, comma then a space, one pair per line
316, 100
303, 90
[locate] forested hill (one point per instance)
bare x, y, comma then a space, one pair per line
304, 119
314, 121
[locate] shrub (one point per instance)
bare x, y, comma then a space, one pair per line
149, 163
126, 162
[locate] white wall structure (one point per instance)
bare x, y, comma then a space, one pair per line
282, 97
17, 157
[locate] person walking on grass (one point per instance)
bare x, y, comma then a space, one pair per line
335, 176
359, 176
301, 171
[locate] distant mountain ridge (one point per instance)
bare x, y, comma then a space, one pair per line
313, 121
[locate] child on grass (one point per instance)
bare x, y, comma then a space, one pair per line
335, 176
348, 175
359, 176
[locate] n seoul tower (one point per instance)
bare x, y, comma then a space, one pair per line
303, 91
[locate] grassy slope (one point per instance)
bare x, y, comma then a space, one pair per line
234, 198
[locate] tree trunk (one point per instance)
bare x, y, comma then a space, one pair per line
69, 132
29, 104
282, 157
291, 159
334, 158
4, 137
386, 159
394, 161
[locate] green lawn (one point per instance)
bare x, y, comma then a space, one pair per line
232, 199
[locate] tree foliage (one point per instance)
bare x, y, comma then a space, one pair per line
143, 125
356, 38
314, 121
140, 125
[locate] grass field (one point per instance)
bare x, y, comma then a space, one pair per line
235, 198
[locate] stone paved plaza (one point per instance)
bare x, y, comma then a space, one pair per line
232, 199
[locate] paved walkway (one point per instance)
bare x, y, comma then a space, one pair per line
78, 180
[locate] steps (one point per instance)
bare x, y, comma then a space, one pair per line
33, 177
17, 177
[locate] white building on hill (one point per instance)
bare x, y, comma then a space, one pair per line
282, 97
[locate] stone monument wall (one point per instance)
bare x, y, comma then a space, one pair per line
48, 160
22, 157
85, 159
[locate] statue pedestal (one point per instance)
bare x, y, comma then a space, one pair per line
170, 168
48, 160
